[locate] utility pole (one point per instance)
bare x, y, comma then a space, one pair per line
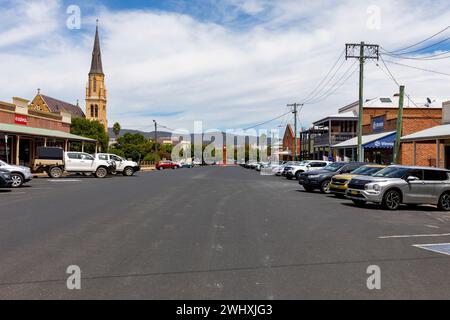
156, 138
399, 125
295, 112
366, 51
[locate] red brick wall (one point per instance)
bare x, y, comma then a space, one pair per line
6, 117
425, 154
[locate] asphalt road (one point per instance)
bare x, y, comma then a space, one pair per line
211, 233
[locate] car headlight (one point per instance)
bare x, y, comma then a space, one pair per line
372, 187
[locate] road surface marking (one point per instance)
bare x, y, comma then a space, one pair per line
65, 180
415, 236
442, 248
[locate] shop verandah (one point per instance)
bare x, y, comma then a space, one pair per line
19, 144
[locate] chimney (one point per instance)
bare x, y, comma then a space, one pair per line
446, 112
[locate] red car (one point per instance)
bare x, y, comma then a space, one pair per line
162, 165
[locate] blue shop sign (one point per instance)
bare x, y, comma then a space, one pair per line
378, 124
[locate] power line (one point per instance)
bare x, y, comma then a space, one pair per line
336, 86
420, 42
424, 58
326, 76
413, 67
390, 75
418, 50
269, 121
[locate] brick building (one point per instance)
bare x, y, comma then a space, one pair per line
287, 154
379, 129
429, 147
23, 130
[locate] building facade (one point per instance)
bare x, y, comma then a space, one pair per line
96, 93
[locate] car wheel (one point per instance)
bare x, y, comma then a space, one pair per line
101, 172
55, 172
308, 189
359, 203
297, 175
325, 187
128, 172
444, 202
17, 180
392, 200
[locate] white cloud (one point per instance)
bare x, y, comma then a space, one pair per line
226, 76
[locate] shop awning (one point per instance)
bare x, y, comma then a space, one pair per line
378, 140
45, 133
387, 142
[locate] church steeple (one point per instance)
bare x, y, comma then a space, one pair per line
96, 64
96, 93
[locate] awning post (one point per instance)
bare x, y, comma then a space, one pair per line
82, 146
414, 153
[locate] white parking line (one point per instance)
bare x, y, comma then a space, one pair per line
416, 236
64, 180
435, 247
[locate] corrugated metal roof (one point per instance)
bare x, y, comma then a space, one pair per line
430, 133
365, 140
25, 130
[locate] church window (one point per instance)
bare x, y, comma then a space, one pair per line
96, 111
92, 111
95, 85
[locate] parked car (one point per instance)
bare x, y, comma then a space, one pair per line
396, 185
339, 183
123, 166
289, 165
19, 174
294, 171
320, 179
279, 169
5, 179
55, 162
186, 165
162, 165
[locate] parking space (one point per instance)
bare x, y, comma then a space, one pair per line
213, 232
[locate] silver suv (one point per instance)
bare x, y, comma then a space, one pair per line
19, 174
396, 185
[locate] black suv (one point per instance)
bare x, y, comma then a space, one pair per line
320, 179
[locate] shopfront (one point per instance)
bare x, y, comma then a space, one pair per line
378, 148
23, 131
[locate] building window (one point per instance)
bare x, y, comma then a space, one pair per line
92, 111
95, 85
96, 111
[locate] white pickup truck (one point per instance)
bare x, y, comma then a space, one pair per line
55, 162
123, 166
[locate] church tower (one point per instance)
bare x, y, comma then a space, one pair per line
96, 94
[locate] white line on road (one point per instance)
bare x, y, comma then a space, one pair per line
416, 236
434, 247
65, 180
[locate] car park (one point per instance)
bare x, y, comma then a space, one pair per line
293, 171
320, 179
123, 166
396, 185
167, 164
339, 183
19, 174
5, 179
54, 161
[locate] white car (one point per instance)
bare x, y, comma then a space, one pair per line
293, 171
124, 166
55, 162
279, 169
19, 174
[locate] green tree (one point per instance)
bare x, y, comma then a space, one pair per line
116, 129
90, 129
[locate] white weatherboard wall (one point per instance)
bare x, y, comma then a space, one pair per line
446, 112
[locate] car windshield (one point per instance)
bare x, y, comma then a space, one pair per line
333, 167
367, 171
392, 172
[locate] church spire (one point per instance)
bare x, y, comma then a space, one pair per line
96, 64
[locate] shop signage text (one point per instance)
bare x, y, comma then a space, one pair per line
20, 119
378, 124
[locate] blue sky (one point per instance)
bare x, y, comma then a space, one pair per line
229, 63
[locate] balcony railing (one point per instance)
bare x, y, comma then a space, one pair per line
324, 140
